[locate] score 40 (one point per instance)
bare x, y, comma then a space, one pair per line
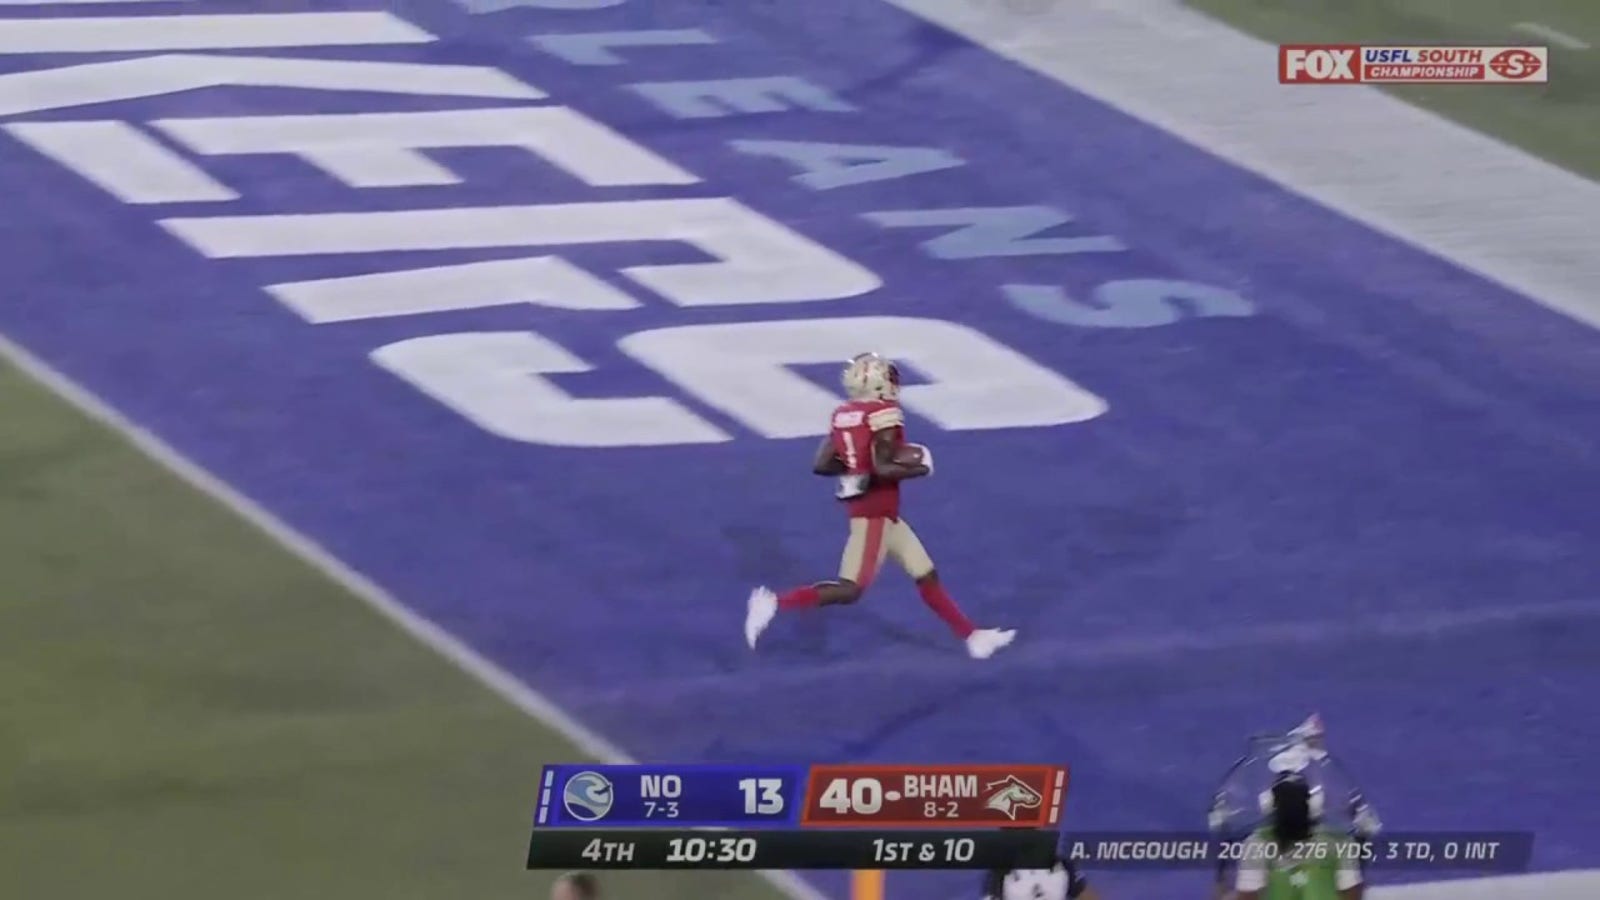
845, 796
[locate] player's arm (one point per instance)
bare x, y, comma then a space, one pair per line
886, 424
884, 466
827, 461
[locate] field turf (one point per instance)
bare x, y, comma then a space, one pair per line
187, 710
1559, 121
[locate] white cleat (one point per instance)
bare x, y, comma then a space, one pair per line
984, 642
763, 606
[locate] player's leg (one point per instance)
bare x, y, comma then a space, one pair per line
907, 550
864, 551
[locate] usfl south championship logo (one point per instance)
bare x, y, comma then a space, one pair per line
1356, 64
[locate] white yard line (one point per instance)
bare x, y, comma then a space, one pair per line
1467, 198
435, 638
1552, 35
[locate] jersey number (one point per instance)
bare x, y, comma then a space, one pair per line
500, 380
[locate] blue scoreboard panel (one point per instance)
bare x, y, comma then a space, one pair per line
684, 796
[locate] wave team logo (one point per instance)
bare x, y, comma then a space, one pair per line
1370, 64
588, 796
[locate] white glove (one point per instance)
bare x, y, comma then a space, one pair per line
927, 456
851, 487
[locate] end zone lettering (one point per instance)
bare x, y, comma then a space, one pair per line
1318, 64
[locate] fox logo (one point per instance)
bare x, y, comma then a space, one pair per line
1010, 796
1314, 64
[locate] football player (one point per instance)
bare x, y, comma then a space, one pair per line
1296, 871
866, 451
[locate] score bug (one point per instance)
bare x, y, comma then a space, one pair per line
678, 796
934, 796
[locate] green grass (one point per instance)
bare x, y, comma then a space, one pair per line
188, 711
1559, 121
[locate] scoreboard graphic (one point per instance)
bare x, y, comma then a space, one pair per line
797, 817
890, 817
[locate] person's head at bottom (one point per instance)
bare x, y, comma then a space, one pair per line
1292, 816
575, 886
1060, 882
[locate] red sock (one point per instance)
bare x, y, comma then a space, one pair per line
800, 598
946, 609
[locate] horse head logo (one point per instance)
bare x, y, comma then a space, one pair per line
1010, 796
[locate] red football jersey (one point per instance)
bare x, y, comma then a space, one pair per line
851, 430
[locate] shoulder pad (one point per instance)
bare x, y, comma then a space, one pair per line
886, 418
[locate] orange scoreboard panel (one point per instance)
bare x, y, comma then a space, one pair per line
975, 796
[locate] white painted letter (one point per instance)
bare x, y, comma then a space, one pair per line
152, 76
995, 231
547, 281
594, 48
828, 166
738, 96
495, 379
756, 260
123, 161
122, 34
978, 383
1129, 303
367, 150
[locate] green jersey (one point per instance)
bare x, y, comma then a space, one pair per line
1315, 869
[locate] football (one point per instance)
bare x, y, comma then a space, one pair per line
909, 455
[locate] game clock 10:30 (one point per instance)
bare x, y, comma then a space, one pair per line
724, 850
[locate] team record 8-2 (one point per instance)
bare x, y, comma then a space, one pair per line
823, 816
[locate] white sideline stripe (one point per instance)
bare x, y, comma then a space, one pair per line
1553, 35
1467, 198
1579, 884
435, 638
101, 34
